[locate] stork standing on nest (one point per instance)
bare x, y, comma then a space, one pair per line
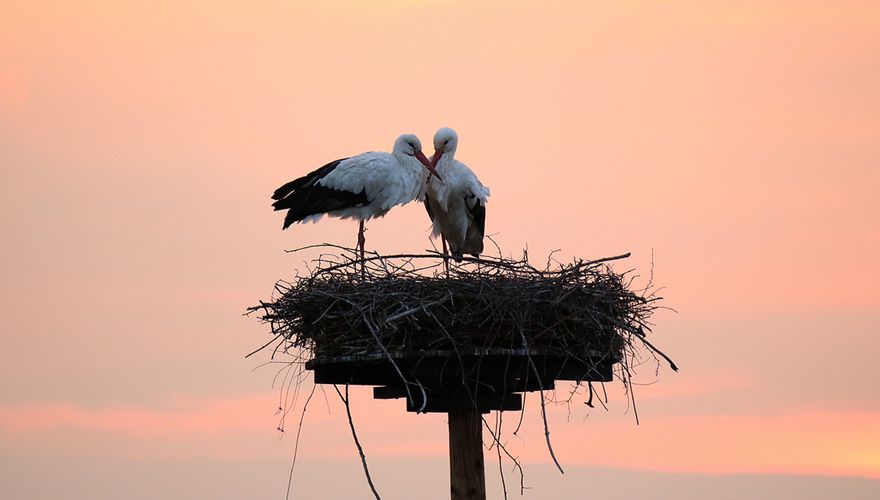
361, 187
457, 205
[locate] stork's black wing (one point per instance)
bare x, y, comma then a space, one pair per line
428, 207
307, 180
304, 196
478, 211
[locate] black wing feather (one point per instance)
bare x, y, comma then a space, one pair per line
479, 213
304, 196
318, 200
307, 180
428, 208
477, 229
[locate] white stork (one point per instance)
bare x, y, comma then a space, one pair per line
457, 204
361, 187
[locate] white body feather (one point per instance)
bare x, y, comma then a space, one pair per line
386, 179
452, 201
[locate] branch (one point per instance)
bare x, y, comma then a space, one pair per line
356, 441
543, 405
296, 443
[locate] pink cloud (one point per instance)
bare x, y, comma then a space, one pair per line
804, 442
182, 417
686, 386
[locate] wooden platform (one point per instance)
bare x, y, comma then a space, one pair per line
440, 381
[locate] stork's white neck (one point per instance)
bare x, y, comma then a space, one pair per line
412, 168
446, 161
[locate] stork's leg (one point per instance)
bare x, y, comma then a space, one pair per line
445, 254
360, 244
361, 239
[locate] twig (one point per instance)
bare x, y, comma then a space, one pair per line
501, 447
356, 441
659, 352
543, 407
589, 401
296, 442
264, 345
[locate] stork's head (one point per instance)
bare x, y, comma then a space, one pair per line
410, 145
445, 143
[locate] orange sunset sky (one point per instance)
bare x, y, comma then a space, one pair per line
736, 142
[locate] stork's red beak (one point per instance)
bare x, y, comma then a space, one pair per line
437, 154
424, 159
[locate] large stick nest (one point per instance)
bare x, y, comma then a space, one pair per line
411, 303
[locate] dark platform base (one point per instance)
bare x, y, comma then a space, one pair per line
440, 381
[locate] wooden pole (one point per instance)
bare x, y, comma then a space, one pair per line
467, 475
